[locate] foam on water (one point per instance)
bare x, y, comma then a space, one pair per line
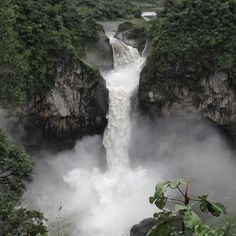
121, 82
95, 202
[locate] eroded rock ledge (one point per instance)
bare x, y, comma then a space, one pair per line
99, 53
133, 34
76, 105
213, 98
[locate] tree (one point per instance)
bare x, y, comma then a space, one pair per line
23, 222
188, 221
192, 40
15, 172
11, 62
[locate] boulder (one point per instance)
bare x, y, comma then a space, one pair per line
143, 227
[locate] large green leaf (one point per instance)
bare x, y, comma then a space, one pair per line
190, 219
176, 183
204, 206
222, 207
215, 208
152, 200
180, 207
164, 229
203, 197
161, 203
159, 199
160, 188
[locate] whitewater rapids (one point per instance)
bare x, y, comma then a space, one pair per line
100, 201
96, 202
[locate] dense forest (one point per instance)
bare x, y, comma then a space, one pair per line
190, 39
40, 35
103, 10
15, 172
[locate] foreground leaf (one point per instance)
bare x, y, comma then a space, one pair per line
164, 229
176, 183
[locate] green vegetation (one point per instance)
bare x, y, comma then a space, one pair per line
184, 220
136, 31
193, 39
11, 62
114, 9
15, 172
36, 37
139, 29
50, 32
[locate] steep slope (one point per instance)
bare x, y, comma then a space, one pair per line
77, 104
191, 68
133, 33
60, 94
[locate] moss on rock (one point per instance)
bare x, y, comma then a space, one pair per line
133, 33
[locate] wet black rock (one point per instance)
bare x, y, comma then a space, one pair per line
143, 227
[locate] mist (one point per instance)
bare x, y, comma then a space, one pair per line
100, 201
94, 200
192, 149
101, 187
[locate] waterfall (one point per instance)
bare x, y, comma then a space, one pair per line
123, 55
121, 83
97, 201
145, 50
94, 201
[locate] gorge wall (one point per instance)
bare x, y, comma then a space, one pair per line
76, 105
210, 97
213, 99
99, 54
190, 70
133, 34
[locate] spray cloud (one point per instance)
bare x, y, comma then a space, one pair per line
104, 201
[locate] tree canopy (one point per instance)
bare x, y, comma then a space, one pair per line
36, 36
15, 173
193, 39
11, 62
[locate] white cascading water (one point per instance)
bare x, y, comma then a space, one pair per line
121, 83
117, 193
94, 202
81, 199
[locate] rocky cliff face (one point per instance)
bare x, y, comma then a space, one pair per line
78, 102
212, 98
99, 53
133, 34
76, 105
